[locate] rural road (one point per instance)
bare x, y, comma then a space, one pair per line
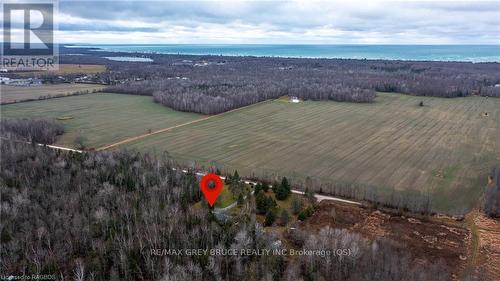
151, 134
174, 127
47, 145
318, 197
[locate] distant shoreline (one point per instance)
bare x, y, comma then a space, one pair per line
445, 53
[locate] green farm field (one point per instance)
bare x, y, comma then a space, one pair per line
101, 118
12, 94
446, 147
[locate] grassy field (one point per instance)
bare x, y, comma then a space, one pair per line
68, 69
101, 118
225, 198
9, 94
446, 147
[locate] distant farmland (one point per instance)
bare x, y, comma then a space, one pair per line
67, 69
445, 147
10, 94
101, 118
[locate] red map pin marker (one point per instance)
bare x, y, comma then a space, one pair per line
211, 185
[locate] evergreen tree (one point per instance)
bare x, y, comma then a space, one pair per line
261, 203
265, 187
236, 176
258, 188
283, 190
307, 212
270, 216
302, 216
275, 187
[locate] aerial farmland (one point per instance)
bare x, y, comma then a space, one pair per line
102, 118
444, 148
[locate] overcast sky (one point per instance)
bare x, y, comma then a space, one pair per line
280, 22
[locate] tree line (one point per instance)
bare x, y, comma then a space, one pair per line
220, 94
491, 202
225, 83
491, 91
31, 130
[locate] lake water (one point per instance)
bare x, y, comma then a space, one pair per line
133, 59
474, 53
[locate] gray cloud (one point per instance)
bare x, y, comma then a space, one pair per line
293, 22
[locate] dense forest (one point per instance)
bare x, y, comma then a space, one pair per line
101, 215
31, 130
97, 216
211, 97
213, 84
374, 260
212, 93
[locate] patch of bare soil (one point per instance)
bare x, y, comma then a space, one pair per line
489, 244
429, 240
